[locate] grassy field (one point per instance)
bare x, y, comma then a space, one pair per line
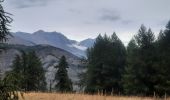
58, 96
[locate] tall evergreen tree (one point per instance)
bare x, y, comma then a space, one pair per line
6, 87
163, 84
17, 72
106, 62
5, 21
29, 72
36, 73
64, 84
141, 64
130, 80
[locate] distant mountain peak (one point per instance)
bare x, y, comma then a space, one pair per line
48, 33
39, 31
87, 42
89, 39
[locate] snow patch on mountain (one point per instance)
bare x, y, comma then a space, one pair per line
78, 47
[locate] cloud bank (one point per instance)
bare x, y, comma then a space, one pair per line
29, 3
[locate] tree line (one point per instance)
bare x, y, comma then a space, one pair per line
142, 68
28, 74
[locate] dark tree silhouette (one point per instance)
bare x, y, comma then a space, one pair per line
6, 88
106, 62
5, 21
29, 72
64, 83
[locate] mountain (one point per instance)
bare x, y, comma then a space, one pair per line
87, 42
49, 47
55, 39
49, 56
18, 40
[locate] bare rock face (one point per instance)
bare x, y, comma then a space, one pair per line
49, 57
6, 58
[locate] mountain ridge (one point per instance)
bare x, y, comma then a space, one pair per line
55, 39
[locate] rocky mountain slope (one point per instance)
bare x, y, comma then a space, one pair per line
49, 56
55, 39
87, 42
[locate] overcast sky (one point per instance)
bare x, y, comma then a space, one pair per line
80, 19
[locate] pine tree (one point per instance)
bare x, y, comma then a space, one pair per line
29, 72
163, 84
17, 72
145, 37
106, 61
131, 84
36, 73
23, 70
141, 64
5, 21
6, 87
64, 84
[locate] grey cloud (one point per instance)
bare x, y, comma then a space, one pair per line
109, 15
29, 3
127, 21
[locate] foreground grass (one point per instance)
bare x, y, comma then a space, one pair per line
58, 96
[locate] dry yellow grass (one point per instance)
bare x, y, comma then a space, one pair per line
58, 96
